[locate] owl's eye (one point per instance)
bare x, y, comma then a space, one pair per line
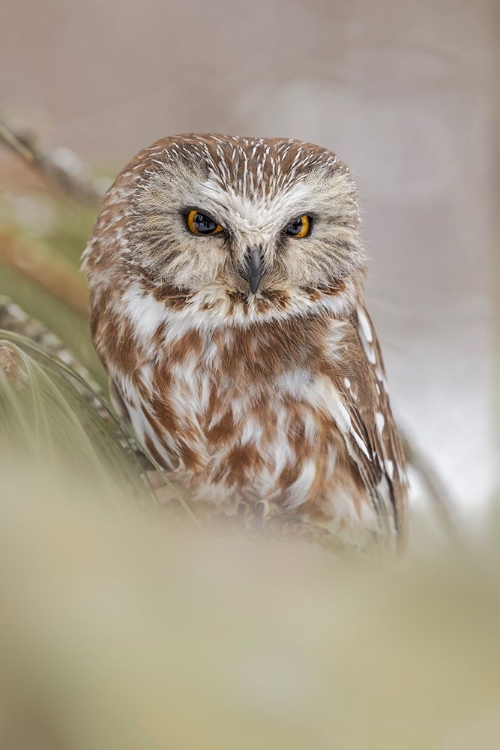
198, 223
299, 227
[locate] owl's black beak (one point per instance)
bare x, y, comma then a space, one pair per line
252, 269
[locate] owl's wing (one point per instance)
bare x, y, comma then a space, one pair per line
117, 401
370, 433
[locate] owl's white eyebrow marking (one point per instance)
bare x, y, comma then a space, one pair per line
256, 212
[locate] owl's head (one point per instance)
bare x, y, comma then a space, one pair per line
260, 222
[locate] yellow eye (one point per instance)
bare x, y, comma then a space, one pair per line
299, 227
198, 223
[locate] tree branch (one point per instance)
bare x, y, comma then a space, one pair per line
59, 166
49, 271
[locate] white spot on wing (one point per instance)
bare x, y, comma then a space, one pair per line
361, 444
365, 325
380, 422
389, 467
369, 352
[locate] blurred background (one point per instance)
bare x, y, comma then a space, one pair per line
119, 630
404, 91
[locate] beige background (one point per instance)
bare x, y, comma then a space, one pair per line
403, 90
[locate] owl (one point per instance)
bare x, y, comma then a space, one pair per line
226, 285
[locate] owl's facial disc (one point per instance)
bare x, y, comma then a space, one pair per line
245, 219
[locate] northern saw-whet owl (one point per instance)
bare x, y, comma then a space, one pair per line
227, 279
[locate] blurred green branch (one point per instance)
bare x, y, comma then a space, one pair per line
48, 270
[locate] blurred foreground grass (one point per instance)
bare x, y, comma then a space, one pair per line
48, 205
50, 415
67, 324
117, 633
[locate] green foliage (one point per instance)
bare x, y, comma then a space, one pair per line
64, 227
66, 324
48, 414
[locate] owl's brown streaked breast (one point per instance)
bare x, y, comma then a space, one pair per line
234, 414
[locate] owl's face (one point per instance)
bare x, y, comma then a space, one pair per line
251, 218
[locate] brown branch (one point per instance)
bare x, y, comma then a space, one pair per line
436, 488
49, 271
57, 165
